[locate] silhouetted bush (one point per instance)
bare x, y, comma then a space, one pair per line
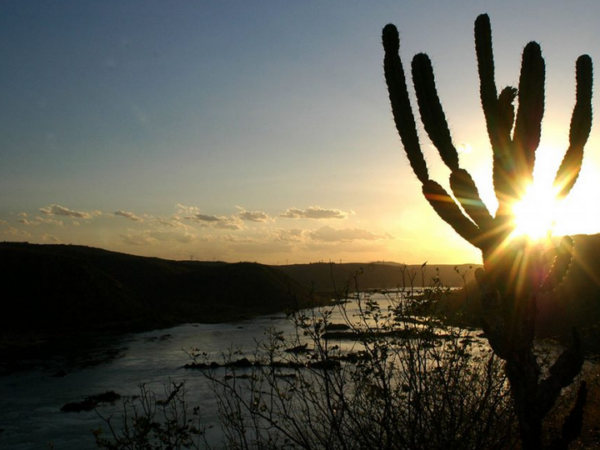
149, 423
400, 383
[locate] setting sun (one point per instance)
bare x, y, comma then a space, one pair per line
535, 213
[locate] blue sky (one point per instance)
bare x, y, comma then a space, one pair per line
258, 131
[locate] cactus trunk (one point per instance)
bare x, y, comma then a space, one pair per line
514, 272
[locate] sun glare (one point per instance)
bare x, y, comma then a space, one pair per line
535, 213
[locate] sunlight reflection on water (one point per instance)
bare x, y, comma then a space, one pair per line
30, 401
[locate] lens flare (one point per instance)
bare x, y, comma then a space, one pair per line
534, 214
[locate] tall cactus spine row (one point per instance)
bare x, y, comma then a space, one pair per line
515, 272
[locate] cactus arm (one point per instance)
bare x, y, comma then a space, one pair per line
485, 65
503, 159
560, 267
581, 124
568, 172
499, 135
448, 210
401, 108
506, 109
431, 111
574, 421
465, 191
512, 280
436, 126
528, 125
439, 199
561, 374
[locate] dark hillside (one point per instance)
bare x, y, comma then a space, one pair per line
64, 287
322, 277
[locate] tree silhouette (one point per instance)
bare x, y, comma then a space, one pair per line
515, 272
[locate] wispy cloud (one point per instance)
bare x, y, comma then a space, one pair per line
128, 215
253, 216
314, 212
141, 239
193, 214
49, 221
240, 239
207, 218
219, 222
27, 222
291, 235
330, 234
16, 233
156, 237
186, 210
172, 222
57, 210
173, 236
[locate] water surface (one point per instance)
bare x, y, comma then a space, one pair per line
30, 401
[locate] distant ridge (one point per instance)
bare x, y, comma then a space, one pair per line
52, 287
63, 289
56, 288
322, 277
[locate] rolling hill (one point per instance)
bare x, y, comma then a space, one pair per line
58, 290
328, 277
55, 288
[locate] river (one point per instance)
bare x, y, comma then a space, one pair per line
30, 401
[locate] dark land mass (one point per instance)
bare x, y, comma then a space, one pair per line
58, 295
329, 277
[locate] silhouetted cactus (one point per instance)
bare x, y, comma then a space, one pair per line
515, 271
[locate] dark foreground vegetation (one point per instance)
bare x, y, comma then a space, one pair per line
398, 383
398, 379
